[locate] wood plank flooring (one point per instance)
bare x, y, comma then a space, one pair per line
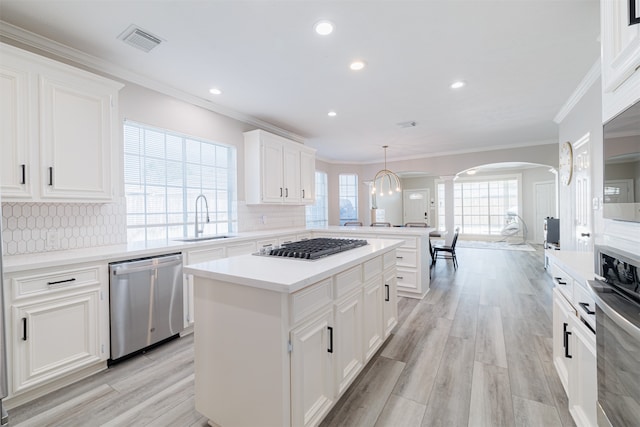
475, 352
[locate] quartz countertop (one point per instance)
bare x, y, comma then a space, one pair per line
115, 253
287, 275
577, 264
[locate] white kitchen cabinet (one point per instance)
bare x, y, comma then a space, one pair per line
583, 386
348, 339
273, 169
308, 176
67, 118
312, 385
58, 329
562, 337
15, 133
390, 302
620, 57
54, 337
372, 317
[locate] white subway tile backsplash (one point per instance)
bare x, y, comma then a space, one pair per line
26, 226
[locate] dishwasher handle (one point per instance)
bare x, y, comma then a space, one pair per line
133, 266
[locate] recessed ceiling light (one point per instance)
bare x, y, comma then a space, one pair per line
215, 91
323, 28
357, 65
458, 84
332, 114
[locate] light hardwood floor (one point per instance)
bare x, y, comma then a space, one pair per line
475, 352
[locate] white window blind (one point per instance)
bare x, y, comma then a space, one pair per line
164, 172
318, 214
348, 197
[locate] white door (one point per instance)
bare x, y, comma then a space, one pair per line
545, 194
416, 205
583, 222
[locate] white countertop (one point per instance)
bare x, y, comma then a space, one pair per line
114, 253
577, 264
287, 275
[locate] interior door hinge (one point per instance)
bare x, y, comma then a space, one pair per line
290, 347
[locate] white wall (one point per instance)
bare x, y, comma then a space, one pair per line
585, 117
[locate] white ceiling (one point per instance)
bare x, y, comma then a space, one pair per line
521, 59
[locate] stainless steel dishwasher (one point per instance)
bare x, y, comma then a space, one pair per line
146, 303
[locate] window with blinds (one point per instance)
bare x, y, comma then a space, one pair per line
164, 172
318, 213
348, 191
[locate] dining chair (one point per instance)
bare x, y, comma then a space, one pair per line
381, 224
417, 224
448, 252
353, 224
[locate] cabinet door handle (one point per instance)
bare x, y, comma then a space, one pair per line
566, 349
399, 257
50, 175
586, 307
330, 329
564, 335
24, 329
286, 192
73, 279
23, 169
386, 298
303, 193
585, 234
280, 191
399, 277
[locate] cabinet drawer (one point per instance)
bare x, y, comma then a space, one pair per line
563, 281
407, 278
406, 257
308, 300
241, 249
389, 260
584, 304
41, 283
372, 268
203, 255
348, 280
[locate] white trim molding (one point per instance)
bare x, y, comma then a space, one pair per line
589, 80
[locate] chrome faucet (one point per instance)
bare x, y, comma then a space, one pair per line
206, 204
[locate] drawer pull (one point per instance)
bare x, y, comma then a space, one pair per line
73, 279
386, 298
399, 257
24, 329
585, 306
399, 277
50, 175
330, 329
559, 281
23, 169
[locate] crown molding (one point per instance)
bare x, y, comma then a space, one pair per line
592, 76
33, 40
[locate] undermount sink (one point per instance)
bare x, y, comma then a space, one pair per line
200, 238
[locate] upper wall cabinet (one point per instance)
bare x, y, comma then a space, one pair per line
59, 124
620, 57
277, 170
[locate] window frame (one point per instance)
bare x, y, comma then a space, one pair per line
172, 149
349, 197
317, 215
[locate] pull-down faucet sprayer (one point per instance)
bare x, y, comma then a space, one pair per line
200, 230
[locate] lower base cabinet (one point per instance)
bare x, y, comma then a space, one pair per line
306, 348
57, 336
312, 379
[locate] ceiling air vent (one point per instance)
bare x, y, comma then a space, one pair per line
139, 38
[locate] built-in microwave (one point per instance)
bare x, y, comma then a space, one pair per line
616, 291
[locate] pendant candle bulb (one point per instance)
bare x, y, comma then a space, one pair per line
385, 175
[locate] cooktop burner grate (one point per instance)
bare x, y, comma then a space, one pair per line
315, 248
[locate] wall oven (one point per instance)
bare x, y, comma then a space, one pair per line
617, 294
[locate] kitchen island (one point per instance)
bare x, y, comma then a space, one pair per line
279, 340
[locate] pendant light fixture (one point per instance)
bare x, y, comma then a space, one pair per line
386, 176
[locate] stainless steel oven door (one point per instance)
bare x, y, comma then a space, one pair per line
618, 357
